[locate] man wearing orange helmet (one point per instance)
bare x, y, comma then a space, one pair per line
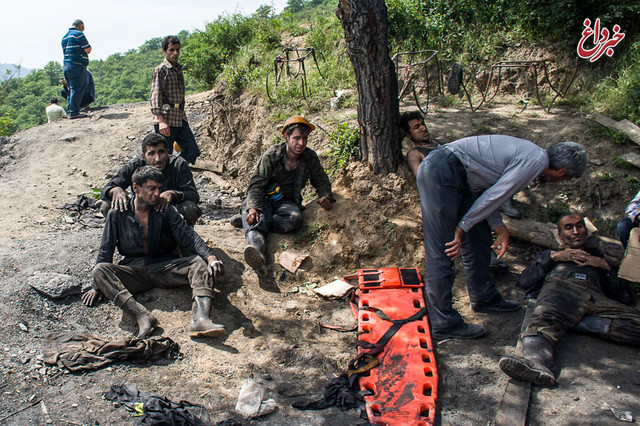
273, 201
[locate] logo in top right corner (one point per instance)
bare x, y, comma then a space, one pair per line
603, 41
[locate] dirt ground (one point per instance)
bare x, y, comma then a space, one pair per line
273, 322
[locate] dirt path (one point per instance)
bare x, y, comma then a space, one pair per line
273, 332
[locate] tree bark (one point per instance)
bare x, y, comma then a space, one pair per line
365, 31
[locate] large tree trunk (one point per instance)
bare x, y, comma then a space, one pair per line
365, 31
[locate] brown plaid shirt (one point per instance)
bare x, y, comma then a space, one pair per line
167, 87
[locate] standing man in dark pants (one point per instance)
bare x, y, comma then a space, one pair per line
76, 51
167, 102
274, 201
461, 186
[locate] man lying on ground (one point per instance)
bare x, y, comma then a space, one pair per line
462, 185
178, 187
577, 289
147, 237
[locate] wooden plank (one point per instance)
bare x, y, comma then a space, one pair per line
632, 158
513, 407
630, 130
217, 180
625, 126
208, 165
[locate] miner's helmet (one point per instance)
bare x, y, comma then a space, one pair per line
297, 119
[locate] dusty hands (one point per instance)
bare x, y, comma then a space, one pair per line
453, 250
165, 200
215, 268
579, 257
91, 297
253, 216
501, 244
119, 199
325, 203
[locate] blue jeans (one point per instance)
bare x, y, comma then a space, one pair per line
77, 83
184, 136
624, 229
445, 197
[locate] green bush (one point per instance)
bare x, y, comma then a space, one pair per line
344, 144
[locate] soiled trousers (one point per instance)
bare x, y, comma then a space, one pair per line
563, 301
282, 217
118, 282
445, 197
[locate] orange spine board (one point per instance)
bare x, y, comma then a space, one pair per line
404, 386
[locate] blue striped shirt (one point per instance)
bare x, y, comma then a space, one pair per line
74, 44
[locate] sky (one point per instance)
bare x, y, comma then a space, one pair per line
31, 30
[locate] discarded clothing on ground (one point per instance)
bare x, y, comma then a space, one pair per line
153, 409
338, 392
80, 207
84, 351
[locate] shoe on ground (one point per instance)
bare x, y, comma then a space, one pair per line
508, 209
256, 260
522, 369
461, 330
206, 328
455, 79
497, 304
73, 117
236, 220
498, 266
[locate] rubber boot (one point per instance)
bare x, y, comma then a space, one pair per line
201, 325
535, 366
594, 326
146, 321
254, 252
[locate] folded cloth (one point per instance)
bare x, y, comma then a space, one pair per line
84, 351
153, 409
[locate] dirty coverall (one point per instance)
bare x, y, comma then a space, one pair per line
159, 267
568, 292
276, 193
177, 177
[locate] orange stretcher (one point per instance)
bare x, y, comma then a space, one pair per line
393, 327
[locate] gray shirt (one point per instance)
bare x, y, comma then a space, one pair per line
498, 167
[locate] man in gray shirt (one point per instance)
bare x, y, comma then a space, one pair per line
461, 186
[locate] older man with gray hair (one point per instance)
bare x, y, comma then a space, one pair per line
461, 186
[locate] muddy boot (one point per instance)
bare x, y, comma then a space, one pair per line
536, 365
594, 326
254, 253
146, 321
201, 325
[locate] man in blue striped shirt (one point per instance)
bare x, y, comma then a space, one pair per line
76, 49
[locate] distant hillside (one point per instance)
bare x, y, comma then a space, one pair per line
7, 70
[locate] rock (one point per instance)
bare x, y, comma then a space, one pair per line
54, 285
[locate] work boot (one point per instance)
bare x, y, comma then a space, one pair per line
594, 326
462, 330
146, 321
201, 325
254, 253
535, 366
508, 209
497, 304
236, 221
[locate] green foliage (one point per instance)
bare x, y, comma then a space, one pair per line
310, 233
633, 184
344, 144
554, 210
622, 163
619, 96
